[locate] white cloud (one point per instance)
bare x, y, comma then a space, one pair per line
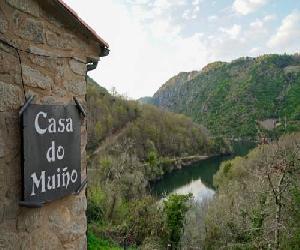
167, 4
245, 7
189, 14
138, 1
268, 18
212, 18
253, 51
141, 14
257, 24
156, 8
261, 23
287, 37
233, 32
143, 54
159, 28
196, 2
162, 4
256, 34
186, 14
259, 29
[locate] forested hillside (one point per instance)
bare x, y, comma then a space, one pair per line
244, 98
257, 203
130, 144
147, 127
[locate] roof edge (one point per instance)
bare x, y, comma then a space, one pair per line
84, 24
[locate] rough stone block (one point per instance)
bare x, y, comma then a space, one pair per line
7, 49
75, 229
34, 78
2, 145
10, 133
83, 138
77, 87
70, 41
28, 6
77, 67
30, 219
59, 66
10, 70
3, 23
78, 205
11, 209
66, 226
32, 30
38, 60
52, 39
49, 100
11, 97
78, 244
42, 52
41, 239
8, 240
59, 92
58, 41
62, 40
1, 211
59, 217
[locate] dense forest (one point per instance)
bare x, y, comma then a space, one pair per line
246, 98
130, 145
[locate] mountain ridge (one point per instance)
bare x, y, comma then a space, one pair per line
231, 99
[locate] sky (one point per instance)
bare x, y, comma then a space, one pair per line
152, 40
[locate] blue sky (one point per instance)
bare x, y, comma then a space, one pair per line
152, 40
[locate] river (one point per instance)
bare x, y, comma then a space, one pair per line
197, 178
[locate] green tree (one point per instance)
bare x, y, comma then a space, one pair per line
175, 208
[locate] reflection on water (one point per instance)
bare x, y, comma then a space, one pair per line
197, 188
197, 178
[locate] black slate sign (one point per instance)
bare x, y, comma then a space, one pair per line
51, 152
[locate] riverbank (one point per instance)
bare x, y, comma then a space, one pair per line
195, 170
169, 165
181, 162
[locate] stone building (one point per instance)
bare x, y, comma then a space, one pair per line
46, 51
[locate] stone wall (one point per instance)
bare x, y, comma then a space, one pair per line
40, 56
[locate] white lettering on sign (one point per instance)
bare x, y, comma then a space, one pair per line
36, 182
60, 153
56, 169
52, 154
54, 126
53, 181
69, 125
36, 123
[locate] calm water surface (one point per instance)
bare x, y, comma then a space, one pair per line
197, 178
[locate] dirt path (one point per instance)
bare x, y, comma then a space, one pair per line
111, 139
